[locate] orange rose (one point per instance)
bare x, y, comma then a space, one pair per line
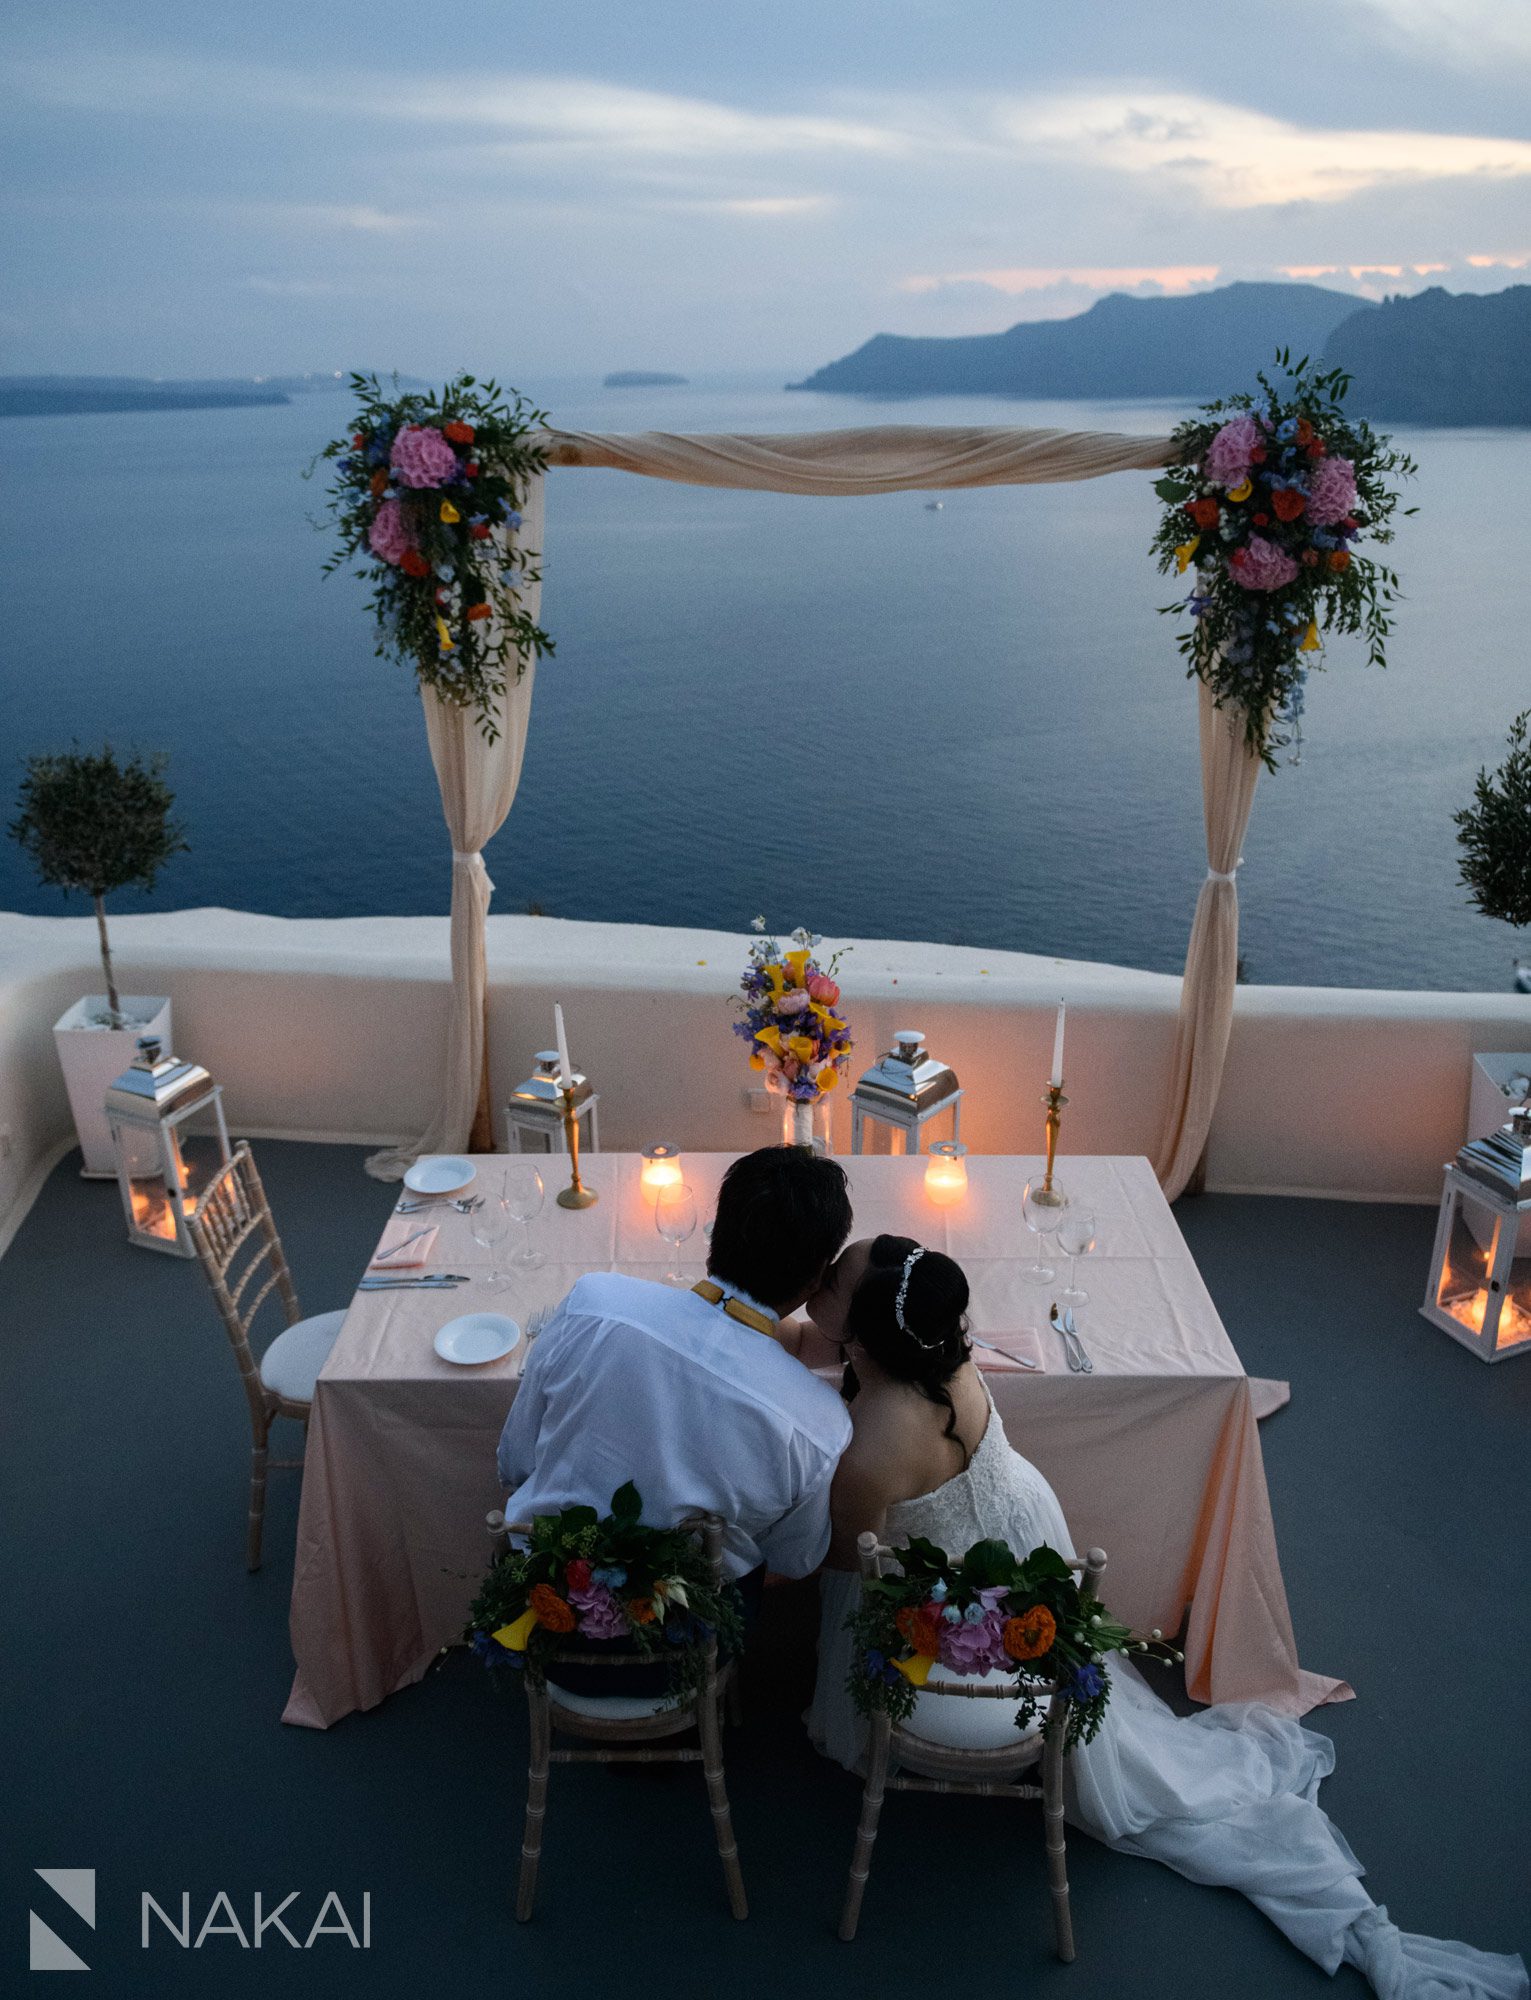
1203, 512
640, 1610
552, 1610
1339, 559
379, 483
1287, 504
1031, 1635
479, 611
920, 1625
1304, 431
458, 432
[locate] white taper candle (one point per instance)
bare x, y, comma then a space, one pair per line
1057, 1076
565, 1067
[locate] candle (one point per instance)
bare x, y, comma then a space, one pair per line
565, 1067
1057, 1076
661, 1169
946, 1174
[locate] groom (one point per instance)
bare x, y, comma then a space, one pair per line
689, 1393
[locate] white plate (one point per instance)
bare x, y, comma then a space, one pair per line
439, 1176
477, 1337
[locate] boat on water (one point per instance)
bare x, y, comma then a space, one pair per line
934, 506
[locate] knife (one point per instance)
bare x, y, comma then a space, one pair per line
437, 1281
404, 1245
989, 1348
1078, 1360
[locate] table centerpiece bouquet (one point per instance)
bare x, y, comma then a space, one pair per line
1269, 495
1024, 1615
427, 494
788, 1004
583, 1577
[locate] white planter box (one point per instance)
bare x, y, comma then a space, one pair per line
92, 1057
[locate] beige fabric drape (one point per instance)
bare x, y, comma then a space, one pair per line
1229, 769
478, 781
889, 459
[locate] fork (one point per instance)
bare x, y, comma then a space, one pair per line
1062, 1324
464, 1204
1086, 1365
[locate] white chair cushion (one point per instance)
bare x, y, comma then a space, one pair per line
290, 1365
968, 1725
608, 1707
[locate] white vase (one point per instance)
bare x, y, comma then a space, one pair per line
805, 1124
92, 1055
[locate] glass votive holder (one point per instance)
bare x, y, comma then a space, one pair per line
661, 1169
946, 1172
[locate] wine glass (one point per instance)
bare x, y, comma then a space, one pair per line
491, 1226
1076, 1236
675, 1219
523, 1203
1043, 1208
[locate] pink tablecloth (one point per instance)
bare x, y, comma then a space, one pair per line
1155, 1456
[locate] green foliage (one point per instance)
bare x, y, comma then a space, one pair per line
1247, 644
671, 1609
887, 1637
1494, 833
455, 613
93, 824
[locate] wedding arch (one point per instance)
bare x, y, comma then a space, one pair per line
478, 774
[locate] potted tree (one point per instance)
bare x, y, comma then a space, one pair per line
1494, 833
94, 824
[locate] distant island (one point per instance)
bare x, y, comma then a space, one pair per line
99, 395
1438, 357
641, 378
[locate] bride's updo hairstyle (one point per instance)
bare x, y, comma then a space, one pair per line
921, 1336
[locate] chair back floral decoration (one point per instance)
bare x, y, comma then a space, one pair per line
788, 1006
1268, 496
585, 1578
427, 492
1024, 1616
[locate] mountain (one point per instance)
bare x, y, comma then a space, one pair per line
1193, 347
96, 395
1440, 358
641, 378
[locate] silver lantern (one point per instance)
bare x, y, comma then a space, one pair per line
535, 1112
904, 1090
149, 1108
1480, 1274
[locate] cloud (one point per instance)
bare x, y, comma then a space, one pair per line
1230, 157
764, 205
296, 288
1467, 34
1102, 277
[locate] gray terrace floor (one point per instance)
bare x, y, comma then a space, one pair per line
144, 1673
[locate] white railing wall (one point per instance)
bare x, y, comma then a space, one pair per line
331, 1030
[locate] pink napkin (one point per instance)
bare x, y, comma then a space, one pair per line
400, 1229
1025, 1344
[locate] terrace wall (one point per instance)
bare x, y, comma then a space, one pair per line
332, 1030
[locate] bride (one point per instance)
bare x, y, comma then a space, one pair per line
1227, 1796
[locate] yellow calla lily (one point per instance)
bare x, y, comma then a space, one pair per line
771, 1037
1184, 554
1242, 491
757, 1062
827, 1079
802, 1046
443, 634
449, 513
1310, 639
917, 1670
797, 961
778, 980
513, 1637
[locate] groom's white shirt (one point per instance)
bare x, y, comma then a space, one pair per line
635, 1380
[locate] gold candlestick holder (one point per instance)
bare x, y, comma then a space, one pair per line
1055, 1101
576, 1194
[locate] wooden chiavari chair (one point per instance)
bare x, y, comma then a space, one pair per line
236, 1240
612, 1735
898, 1759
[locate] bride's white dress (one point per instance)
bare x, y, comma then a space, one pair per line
1227, 1796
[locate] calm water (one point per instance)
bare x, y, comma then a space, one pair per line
967, 725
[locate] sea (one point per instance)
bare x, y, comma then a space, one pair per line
870, 716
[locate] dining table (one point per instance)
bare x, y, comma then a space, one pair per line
1154, 1452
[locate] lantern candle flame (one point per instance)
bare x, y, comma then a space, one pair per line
946, 1173
661, 1169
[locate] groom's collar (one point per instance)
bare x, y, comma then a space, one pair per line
745, 1298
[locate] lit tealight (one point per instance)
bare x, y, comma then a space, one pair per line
661, 1169
946, 1173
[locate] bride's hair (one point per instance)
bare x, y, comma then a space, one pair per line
911, 1319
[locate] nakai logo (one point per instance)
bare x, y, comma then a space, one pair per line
47, 1951
221, 1920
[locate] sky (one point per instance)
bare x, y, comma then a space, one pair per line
705, 186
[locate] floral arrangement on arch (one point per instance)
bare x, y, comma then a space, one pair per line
1022, 1615
1268, 497
584, 1577
427, 493
787, 1004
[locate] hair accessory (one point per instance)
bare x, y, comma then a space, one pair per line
930, 1346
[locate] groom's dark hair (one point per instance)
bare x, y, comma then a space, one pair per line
782, 1219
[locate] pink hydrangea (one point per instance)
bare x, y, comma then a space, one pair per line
600, 1615
974, 1648
1331, 491
421, 456
389, 535
1231, 452
1265, 567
